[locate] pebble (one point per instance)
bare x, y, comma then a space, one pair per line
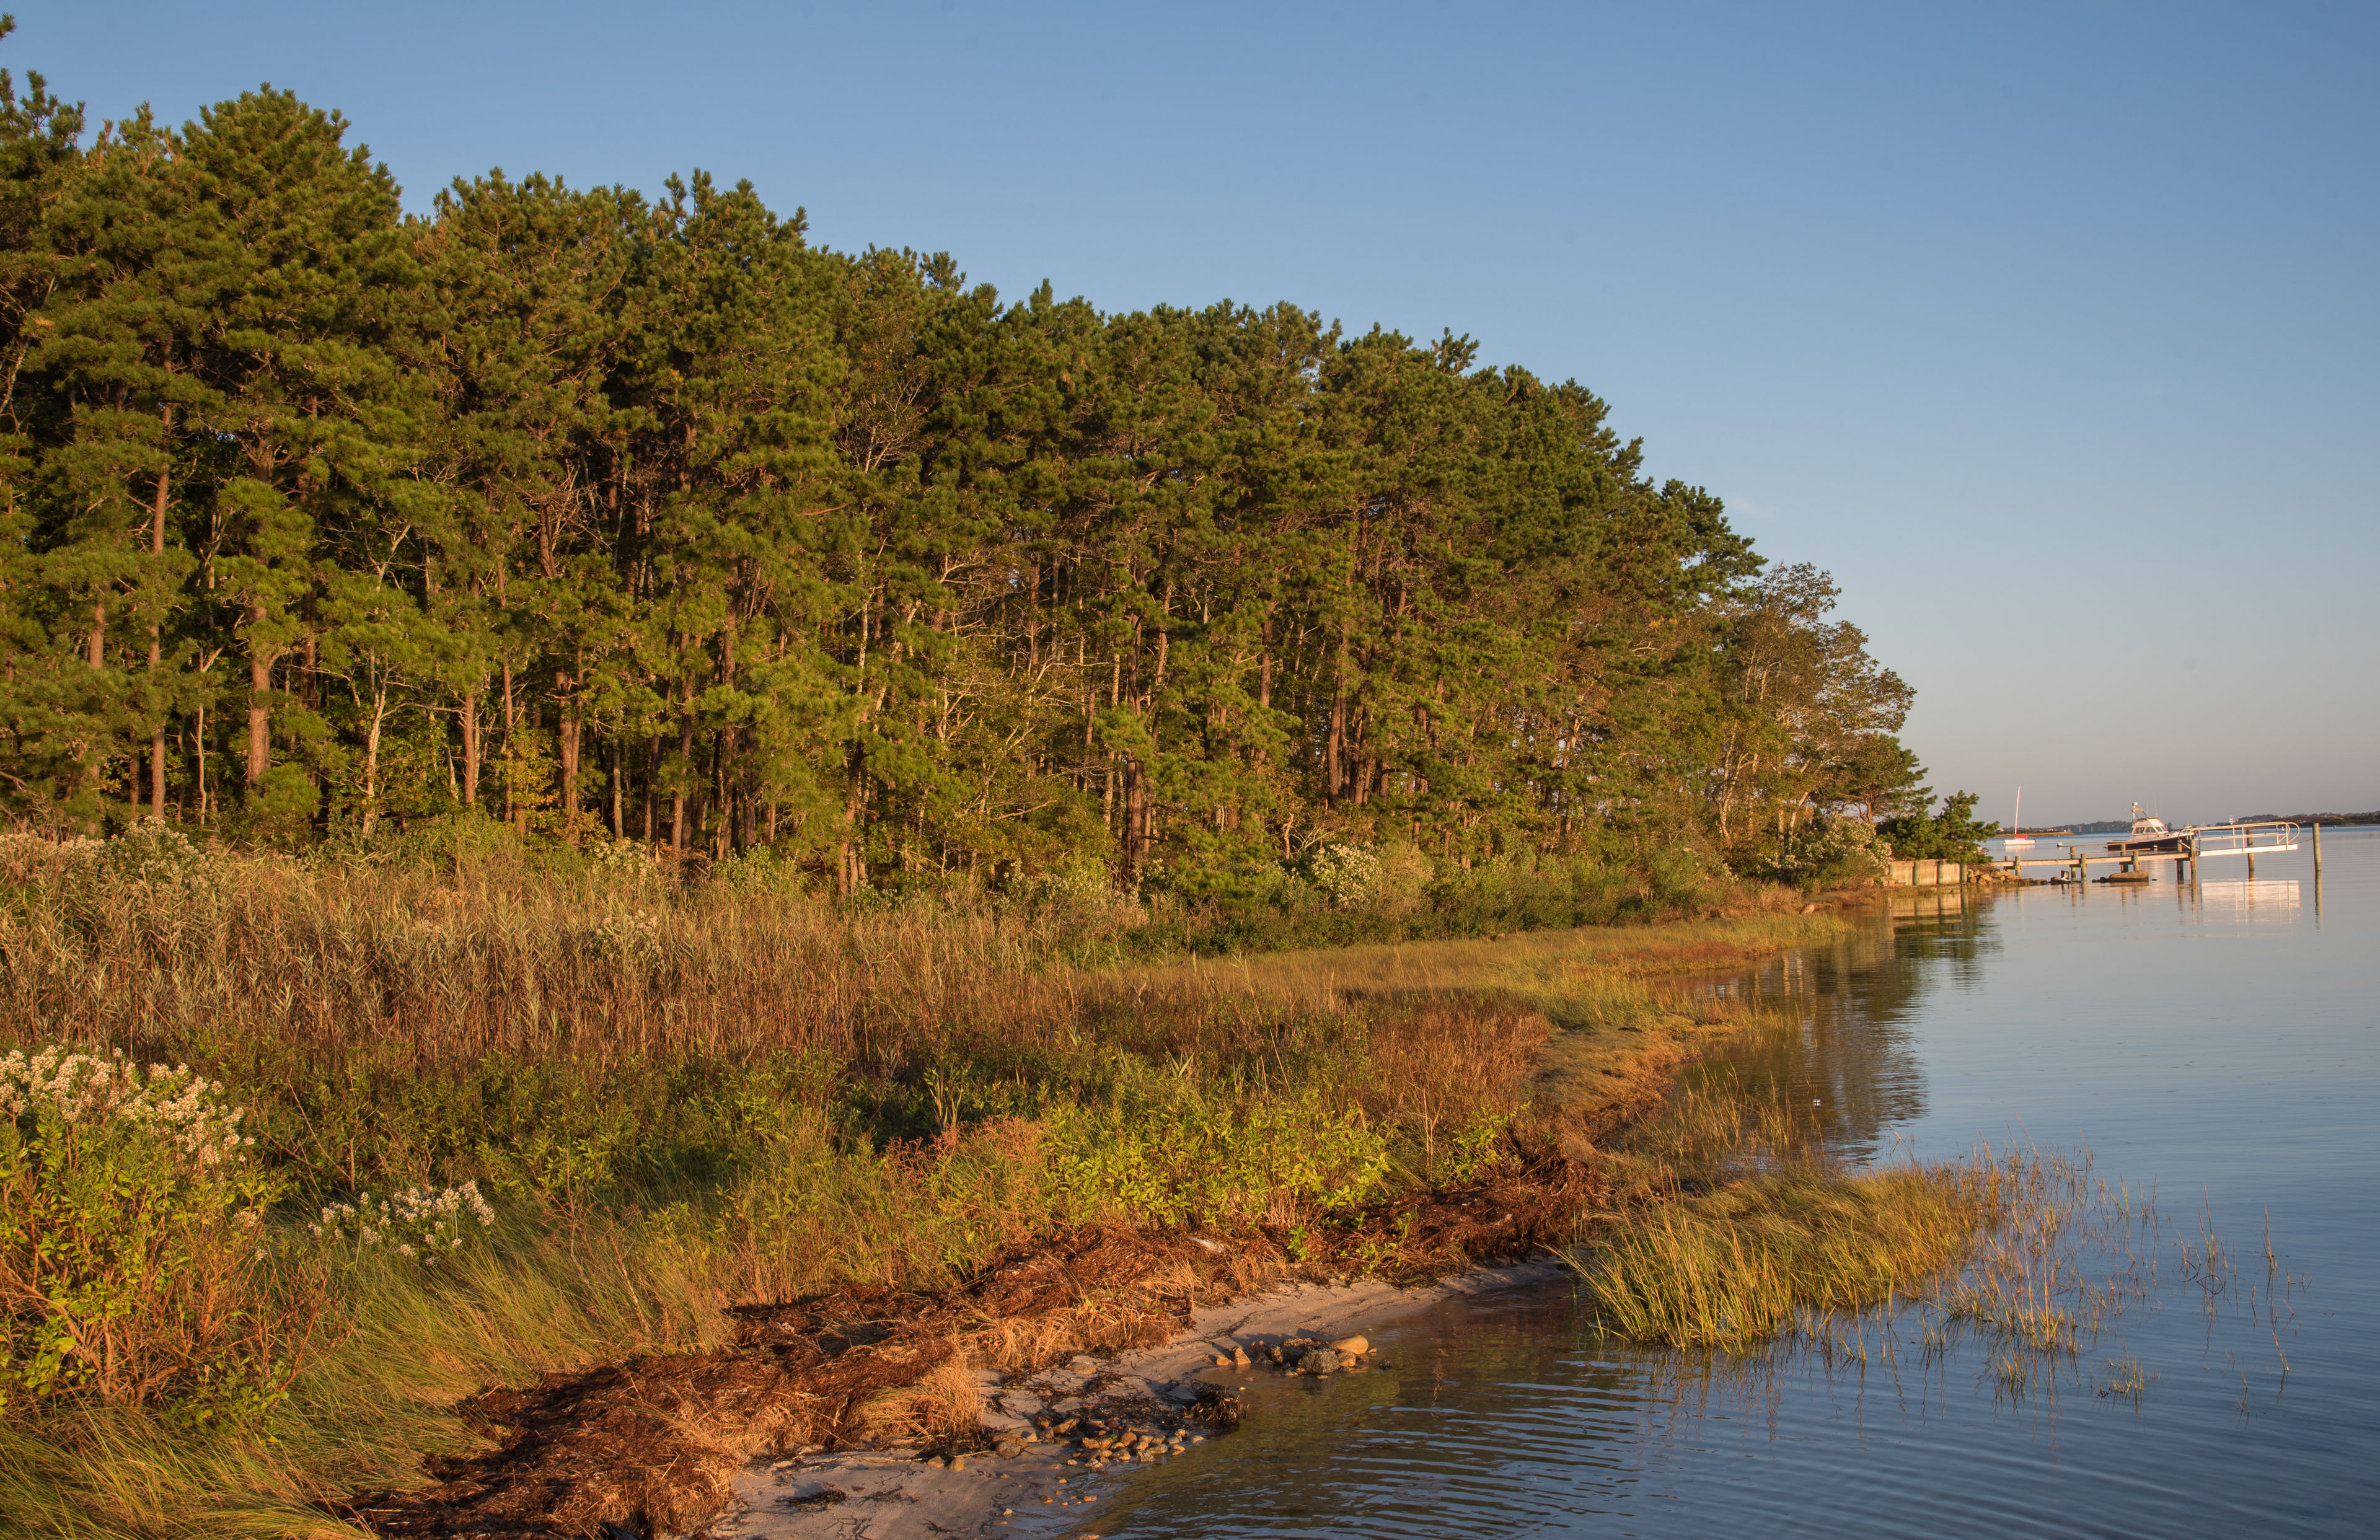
1355, 1345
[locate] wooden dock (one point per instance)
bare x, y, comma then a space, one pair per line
2212, 842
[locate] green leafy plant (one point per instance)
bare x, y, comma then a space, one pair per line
1949, 834
419, 1223
130, 1238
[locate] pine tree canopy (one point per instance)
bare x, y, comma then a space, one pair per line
654, 521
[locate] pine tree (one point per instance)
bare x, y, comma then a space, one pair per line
656, 519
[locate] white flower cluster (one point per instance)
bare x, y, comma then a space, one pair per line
1844, 845
632, 856
1346, 874
417, 1222
631, 941
85, 1089
150, 851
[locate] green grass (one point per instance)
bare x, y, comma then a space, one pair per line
682, 1099
1736, 1268
1737, 1227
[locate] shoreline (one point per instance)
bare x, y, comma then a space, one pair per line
873, 1394
1037, 1487
1590, 1094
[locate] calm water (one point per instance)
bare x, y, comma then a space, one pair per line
2220, 1046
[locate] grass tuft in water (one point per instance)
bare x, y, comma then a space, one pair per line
1742, 1227
1735, 1267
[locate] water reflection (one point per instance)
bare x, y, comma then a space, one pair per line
2274, 896
1843, 1042
2212, 1042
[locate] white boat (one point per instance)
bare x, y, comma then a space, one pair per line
2150, 836
2016, 824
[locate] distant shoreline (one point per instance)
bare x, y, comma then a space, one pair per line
2119, 826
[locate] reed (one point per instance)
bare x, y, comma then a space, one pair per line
683, 1098
1737, 1267
1738, 1226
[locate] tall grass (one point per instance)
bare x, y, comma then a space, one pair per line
685, 1098
1741, 1228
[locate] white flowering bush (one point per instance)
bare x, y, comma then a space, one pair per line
419, 1223
1076, 895
131, 1220
59, 1088
81, 867
1830, 853
1345, 874
1390, 881
150, 851
624, 863
27, 857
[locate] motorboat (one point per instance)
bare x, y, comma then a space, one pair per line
2151, 837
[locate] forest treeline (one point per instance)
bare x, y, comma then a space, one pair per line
651, 520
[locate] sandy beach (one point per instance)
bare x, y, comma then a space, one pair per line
1047, 1485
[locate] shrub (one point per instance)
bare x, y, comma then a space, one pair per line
417, 1223
1387, 882
1832, 853
130, 1222
1185, 1157
1951, 834
1074, 896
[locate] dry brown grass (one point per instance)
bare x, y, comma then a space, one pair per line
492, 959
1598, 977
941, 1405
895, 1180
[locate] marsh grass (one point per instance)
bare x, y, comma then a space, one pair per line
1737, 1226
1744, 1248
1736, 1268
683, 1098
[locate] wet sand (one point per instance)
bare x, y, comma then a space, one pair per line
895, 1495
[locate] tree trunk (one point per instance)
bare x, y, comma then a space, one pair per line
371, 761
568, 736
653, 783
156, 629
1331, 752
619, 758
723, 831
1136, 815
511, 725
686, 758
260, 703
469, 717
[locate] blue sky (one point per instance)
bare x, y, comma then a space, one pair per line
2051, 329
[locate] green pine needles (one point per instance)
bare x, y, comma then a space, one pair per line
599, 516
